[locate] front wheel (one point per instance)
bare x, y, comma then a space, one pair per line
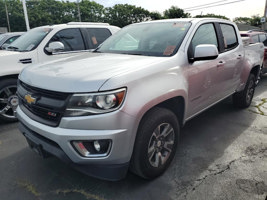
8, 100
243, 98
155, 144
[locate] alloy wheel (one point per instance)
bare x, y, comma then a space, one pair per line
161, 145
8, 102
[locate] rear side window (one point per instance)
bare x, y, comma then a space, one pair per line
255, 38
262, 37
97, 36
71, 38
229, 36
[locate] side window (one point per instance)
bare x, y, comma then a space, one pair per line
255, 38
229, 36
71, 38
205, 34
262, 37
97, 36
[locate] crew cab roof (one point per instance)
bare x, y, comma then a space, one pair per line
192, 20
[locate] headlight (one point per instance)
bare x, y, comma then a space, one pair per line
94, 103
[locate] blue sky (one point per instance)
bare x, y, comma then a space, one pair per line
245, 8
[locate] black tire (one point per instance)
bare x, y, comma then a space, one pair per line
261, 71
8, 100
151, 144
243, 98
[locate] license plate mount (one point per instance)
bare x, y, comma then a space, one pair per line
37, 148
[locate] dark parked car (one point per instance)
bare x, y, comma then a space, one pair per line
8, 38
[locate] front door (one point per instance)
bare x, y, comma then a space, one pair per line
200, 74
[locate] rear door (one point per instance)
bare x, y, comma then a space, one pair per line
95, 36
230, 63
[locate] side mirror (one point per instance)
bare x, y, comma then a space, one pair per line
54, 47
206, 52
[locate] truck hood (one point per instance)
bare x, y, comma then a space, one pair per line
86, 73
10, 57
9, 53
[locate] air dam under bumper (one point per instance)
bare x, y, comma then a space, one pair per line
46, 147
56, 141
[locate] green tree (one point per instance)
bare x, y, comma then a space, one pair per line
212, 15
70, 12
242, 20
3, 20
15, 13
155, 15
175, 12
254, 20
91, 11
44, 12
124, 14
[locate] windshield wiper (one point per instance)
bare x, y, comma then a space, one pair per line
12, 48
96, 50
132, 53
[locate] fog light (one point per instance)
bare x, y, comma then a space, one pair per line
97, 146
92, 148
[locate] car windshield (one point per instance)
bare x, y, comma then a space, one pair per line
29, 40
2, 36
149, 39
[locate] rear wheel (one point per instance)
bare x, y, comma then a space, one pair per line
156, 143
8, 100
243, 98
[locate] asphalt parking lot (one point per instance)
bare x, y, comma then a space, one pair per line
222, 155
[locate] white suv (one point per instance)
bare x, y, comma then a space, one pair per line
45, 44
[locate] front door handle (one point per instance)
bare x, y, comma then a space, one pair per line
220, 64
239, 56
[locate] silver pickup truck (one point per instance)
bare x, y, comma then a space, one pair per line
122, 106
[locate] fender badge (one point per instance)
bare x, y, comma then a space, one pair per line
29, 99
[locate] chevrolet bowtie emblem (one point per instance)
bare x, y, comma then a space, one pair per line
29, 99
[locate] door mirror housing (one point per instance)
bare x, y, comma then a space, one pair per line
54, 47
205, 52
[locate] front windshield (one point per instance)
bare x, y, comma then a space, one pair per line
149, 39
2, 36
29, 40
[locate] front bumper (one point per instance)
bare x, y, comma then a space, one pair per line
57, 141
